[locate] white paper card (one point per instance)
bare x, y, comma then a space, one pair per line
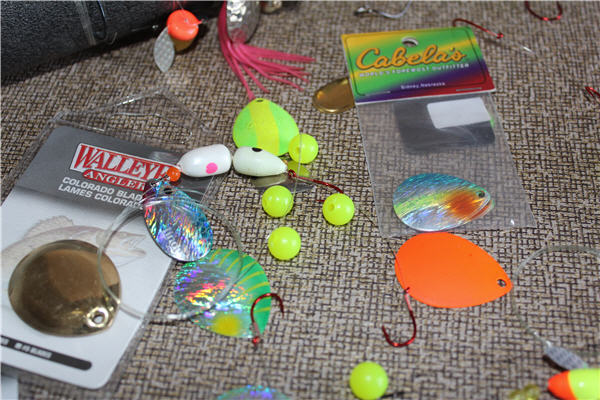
446, 114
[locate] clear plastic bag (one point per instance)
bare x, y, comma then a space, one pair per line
401, 140
424, 106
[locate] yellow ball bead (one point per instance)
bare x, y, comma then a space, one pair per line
284, 243
304, 146
338, 209
368, 381
277, 201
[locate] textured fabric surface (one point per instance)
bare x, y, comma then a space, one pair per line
341, 288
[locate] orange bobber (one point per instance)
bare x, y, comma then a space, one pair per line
182, 26
576, 384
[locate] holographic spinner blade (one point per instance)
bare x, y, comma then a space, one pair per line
200, 285
176, 222
436, 202
252, 392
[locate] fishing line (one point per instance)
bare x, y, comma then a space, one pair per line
513, 45
563, 357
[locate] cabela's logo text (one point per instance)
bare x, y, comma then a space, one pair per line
429, 56
115, 168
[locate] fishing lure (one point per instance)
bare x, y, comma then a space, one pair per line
561, 356
222, 290
576, 384
436, 202
368, 380
219, 290
178, 226
55, 289
253, 392
205, 161
178, 35
237, 22
334, 97
256, 162
447, 271
228, 291
264, 124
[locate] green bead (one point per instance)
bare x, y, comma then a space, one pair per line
338, 209
284, 243
277, 201
309, 147
368, 381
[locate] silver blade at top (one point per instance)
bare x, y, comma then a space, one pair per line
242, 19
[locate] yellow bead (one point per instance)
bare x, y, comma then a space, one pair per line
304, 146
284, 243
277, 201
368, 381
338, 209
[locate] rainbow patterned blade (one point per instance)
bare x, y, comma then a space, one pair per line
200, 285
437, 202
176, 222
252, 392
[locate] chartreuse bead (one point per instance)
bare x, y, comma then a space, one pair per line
304, 146
368, 381
277, 201
338, 209
284, 243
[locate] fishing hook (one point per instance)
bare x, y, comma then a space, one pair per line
414, 322
555, 18
498, 35
256, 339
594, 94
293, 175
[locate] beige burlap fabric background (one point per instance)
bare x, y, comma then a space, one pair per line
341, 287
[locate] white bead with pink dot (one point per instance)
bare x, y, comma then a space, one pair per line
206, 161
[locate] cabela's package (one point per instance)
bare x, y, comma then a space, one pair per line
424, 105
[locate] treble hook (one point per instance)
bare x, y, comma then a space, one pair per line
556, 18
414, 322
256, 339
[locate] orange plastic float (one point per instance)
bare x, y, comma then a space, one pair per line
444, 270
182, 26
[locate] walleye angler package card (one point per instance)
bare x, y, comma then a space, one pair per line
73, 189
424, 103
